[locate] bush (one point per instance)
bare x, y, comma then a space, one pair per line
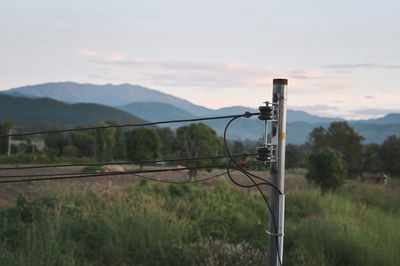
326, 168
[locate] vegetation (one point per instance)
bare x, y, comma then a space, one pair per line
49, 113
154, 224
4, 130
197, 140
326, 169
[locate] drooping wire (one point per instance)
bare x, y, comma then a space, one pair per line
185, 181
128, 162
124, 125
255, 184
48, 177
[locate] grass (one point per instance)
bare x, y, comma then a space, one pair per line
155, 224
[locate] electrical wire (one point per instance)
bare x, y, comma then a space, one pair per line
126, 125
80, 175
129, 162
183, 182
255, 184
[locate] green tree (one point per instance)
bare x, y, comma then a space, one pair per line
197, 140
326, 169
318, 139
5, 130
371, 158
341, 137
345, 139
105, 142
55, 143
85, 142
168, 140
294, 157
390, 155
142, 144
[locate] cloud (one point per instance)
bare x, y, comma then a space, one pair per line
210, 76
363, 66
318, 109
369, 97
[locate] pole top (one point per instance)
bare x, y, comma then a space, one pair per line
280, 82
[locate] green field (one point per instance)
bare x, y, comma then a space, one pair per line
156, 224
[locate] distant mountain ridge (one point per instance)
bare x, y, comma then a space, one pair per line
154, 105
49, 113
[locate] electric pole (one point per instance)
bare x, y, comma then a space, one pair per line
277, 172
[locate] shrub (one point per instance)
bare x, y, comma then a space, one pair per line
326, 168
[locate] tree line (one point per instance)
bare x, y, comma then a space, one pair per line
333, 154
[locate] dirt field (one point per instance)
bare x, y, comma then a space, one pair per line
32, 190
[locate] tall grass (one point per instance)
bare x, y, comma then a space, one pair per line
154, 224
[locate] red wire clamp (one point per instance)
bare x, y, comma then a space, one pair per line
242, 164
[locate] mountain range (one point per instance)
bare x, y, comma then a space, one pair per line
127, 102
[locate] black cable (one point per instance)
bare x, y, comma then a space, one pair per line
135, 162
129, 162
74, 176
265, 182
127, 125
254, 182
183, 182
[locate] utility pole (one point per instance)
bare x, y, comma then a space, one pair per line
277, 172
9, 142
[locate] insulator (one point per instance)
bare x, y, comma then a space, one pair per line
265, 112
264, 153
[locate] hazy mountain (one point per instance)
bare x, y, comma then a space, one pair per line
108, 94
386, 120
153, 111
153, 105
46, 112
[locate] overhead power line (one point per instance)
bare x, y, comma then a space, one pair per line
76, 175
129, 162
247, 114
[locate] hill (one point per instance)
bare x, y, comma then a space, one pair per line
153, 111
154, 105
46, 112
108, 94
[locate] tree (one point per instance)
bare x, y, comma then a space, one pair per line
85, 142
326, 169
5, 130
294, 157
142, 144
390, 154
371, 158
105, 142
55, 143
345, 139
318, 139
197, 140
168, 141
341, 137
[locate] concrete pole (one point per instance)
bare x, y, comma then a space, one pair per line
277, 201
9, 142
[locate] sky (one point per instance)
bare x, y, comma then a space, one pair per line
342, 58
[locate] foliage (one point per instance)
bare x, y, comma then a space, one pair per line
390, 154
341, 137
155, 224
56, 142
142, 144
371, 158
5, 130
326, 169
197, 140
294, 157
168, 140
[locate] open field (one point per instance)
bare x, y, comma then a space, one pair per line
123, 221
